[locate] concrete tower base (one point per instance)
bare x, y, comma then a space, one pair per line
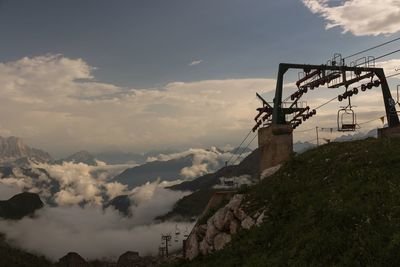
389, 132
275, 144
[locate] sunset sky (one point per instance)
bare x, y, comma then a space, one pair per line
140, 75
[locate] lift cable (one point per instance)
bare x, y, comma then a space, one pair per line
374, 47
306, 130
382, 56
244, 149
390, 76
365, 122
238, 147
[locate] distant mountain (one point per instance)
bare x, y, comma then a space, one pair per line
119, 157
20, 205
13, 151
300, 147
183, 165
165, 170
121, 203
80, 157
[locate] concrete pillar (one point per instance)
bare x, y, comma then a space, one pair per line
275, 144
389, 132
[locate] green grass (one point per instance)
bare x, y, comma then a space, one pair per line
337, 205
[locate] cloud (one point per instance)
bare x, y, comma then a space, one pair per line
68, 183
50, 98
390, 66
92, 232
360, 17
203, 160
195, 62
8, 191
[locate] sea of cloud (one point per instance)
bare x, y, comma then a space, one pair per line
92, 232
79, 222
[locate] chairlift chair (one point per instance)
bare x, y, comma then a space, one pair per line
346, 119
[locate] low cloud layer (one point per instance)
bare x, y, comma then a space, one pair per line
79, 222
360, 17
90, 231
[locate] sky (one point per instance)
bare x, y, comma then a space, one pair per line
142, 75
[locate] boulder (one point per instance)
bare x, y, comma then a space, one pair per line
201, 230
247, 223
211, 232
72, 259
205, 248
270, 171
235, 202
260, 219
219, 218
240, 214
131, 259
221, 240
234, 226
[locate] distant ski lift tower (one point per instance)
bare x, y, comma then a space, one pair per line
276, 121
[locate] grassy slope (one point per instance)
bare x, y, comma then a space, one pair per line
338, 205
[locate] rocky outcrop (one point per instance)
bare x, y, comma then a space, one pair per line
72, 259
133, 259
20, 205
219, 229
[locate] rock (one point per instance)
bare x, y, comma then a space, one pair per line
235, 202
247, 223
255, 216
201, 230
204, 247
240, 214
192, 247
219, 218
270, 171
20, 205
234, 226
131, 259
72, 259
221, 240
260, 219
211, 232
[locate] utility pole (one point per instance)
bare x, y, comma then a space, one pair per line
167, 239
316, 129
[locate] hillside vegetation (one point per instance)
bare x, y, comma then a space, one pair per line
337, 205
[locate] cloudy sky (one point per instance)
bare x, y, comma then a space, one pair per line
142, 75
